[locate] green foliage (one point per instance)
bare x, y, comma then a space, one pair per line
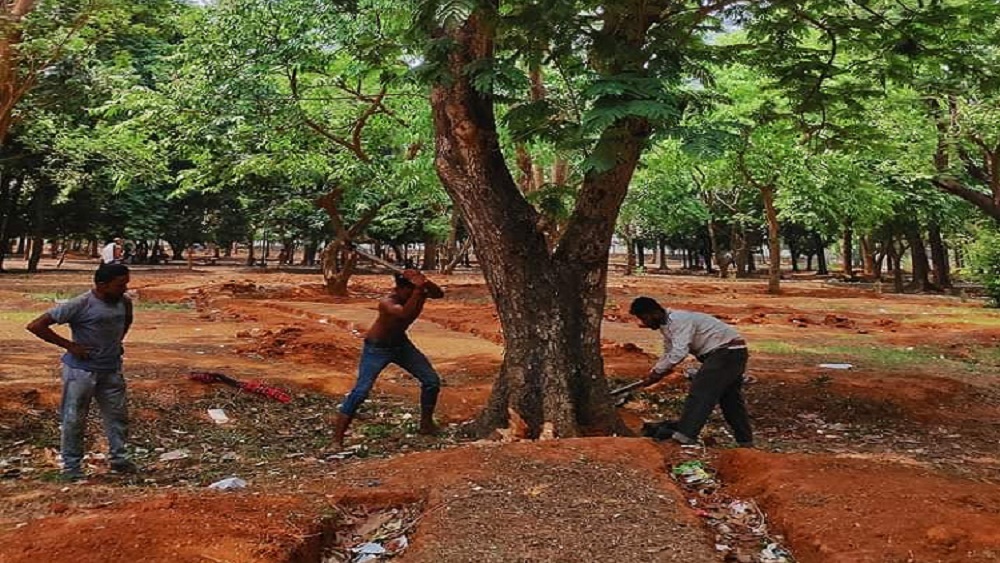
984, 261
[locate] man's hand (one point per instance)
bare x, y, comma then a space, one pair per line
78, 350
653, 378
415, 277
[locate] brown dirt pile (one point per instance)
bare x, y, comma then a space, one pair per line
835, 510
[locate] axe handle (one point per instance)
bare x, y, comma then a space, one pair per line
379, 261
627, 388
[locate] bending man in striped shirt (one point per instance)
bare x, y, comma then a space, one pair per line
723, 356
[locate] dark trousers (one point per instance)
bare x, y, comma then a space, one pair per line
374, 358
718, 382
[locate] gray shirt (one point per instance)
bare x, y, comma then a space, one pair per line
98, 325
687, 332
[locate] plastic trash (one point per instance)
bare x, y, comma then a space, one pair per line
369, 548
174, 455
837, 366
229, 483
218, 415
396, 546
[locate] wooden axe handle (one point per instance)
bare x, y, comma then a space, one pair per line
378, 260
627, 388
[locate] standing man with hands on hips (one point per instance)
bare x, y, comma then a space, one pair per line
92, 366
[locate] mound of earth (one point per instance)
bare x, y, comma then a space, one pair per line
835, 509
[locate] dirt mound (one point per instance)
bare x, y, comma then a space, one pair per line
597, 499
626, 359
210, 527
333, 348
849, 510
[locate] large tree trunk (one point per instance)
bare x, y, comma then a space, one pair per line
550, 304
773, 241
662, 243
939, 256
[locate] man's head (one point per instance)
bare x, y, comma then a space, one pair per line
650, 313
404, 287
111, 281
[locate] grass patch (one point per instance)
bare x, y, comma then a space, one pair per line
162, 306
862, 354
18, 317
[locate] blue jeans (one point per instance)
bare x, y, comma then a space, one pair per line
79, 388
374, 358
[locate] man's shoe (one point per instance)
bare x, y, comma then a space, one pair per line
683, 439
744, 445
125, 467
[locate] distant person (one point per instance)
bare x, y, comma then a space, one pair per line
92, 366
112, 252
387, 343
723, 356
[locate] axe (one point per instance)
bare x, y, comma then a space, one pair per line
378, 260
623, 393
248, 386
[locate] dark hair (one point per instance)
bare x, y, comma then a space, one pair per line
644, 305
401, 281
108, 272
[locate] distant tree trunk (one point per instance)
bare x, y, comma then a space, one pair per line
640, 253
896, 263
809, 261
629, 254
35, 253
868, 255
773, 241
663, 254
10, 192
821, 266
251, 253
338, 260
848, 248
449, 268
309, 253
939, 256
430, 261
918, 253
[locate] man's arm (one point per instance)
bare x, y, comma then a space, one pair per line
680, 346
432, 290
42, 328
128, 315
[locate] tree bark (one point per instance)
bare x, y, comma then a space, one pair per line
848, 249
430, 261
939, 256
663, 254
550, 304
868, 255
338, 260
896, 263
821, 267
918, 253
773, 241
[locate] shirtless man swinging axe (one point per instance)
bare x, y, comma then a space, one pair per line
387, 343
